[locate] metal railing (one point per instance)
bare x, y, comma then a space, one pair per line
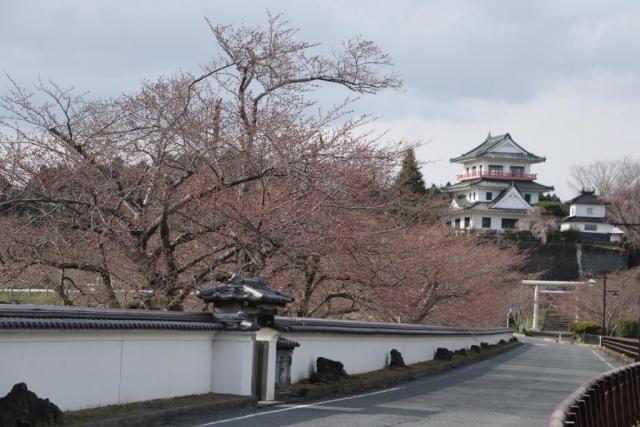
626, 346
610, 400
590, 339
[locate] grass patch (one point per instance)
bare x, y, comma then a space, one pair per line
612, 247
380, 373
89, 416
38, 298
385, 376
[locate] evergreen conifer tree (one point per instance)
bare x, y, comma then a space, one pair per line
409, 179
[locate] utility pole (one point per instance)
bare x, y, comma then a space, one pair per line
604, 305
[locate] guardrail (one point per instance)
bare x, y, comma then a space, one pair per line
610, 400
590, 339
626, 346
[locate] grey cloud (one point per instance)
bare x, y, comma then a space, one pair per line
469, 66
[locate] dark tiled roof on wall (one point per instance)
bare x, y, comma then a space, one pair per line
57, 317
241, 289
285, 344
310, 325
226, 292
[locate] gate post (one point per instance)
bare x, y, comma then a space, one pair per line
535, 309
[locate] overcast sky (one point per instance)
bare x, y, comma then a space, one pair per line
562, 77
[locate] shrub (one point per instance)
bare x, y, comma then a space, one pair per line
553, 208
554, 236
571, 235
627, 328
508, 234
585, 327
525, 236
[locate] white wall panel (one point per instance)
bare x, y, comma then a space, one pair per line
364, 353
87, 368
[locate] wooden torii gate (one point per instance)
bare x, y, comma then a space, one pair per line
537, 291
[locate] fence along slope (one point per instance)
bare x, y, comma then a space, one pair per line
609, 400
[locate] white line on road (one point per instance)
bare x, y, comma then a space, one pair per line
290, 408
601, 358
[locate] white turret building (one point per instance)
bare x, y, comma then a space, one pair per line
496, 187
587, 213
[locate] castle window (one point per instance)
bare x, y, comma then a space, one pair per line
467, 222
517, 170
489, 195
509, 223
457, 223
589, 211
486, 222
527, 197
495, 169
590, 227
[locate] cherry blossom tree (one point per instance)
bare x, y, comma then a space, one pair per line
623, 298
193, 175
142, 199
617, 182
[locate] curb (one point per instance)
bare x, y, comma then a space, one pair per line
168, 415
398, 376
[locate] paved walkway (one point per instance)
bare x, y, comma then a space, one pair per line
518, 388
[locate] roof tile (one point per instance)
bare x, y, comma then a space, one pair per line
483, 150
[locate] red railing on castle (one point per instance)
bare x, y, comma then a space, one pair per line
498, 175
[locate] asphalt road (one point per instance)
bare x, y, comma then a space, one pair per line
518, 388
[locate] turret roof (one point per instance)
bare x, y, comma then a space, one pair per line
586, 198
495, 184
486, 150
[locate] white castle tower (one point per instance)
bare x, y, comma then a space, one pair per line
496, 188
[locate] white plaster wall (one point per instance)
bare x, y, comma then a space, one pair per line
601, 227
476, 221
512, 200
79, 369
232, 363
496, 221
271, 336
582, 210
364, 353
506, 166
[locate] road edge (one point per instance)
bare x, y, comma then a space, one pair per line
174, 414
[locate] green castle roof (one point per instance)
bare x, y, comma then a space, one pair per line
484, 150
